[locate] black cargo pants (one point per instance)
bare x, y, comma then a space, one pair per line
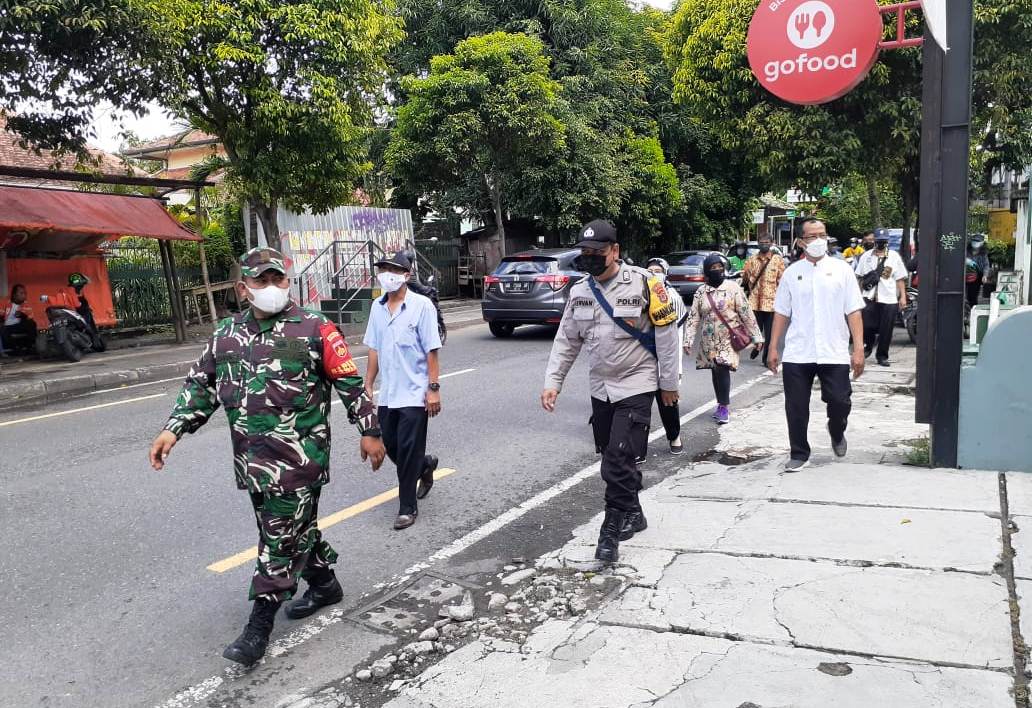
620, 429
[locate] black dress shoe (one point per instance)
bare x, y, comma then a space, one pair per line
318, 594
884, 362
250, 646
404, 521
426, 480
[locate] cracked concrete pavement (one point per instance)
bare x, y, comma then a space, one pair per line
855, 583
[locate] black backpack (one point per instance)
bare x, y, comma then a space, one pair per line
430, 291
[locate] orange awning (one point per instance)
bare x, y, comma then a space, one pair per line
64, 221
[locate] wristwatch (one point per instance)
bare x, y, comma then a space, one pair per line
435, 387
372, 433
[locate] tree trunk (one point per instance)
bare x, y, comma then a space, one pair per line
494, 186
270, 224
908, 219
875, 202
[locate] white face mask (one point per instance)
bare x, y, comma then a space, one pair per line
818, 248
271, 299
391, 282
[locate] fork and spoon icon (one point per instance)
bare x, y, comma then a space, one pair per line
803, 22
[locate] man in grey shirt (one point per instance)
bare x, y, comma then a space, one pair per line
625, 319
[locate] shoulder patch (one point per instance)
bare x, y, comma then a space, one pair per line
661, 309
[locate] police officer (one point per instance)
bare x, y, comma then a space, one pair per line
624, 317
272, 368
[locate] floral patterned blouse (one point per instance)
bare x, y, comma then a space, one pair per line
713, 338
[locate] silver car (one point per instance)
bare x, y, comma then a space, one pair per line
685, 273
531, 287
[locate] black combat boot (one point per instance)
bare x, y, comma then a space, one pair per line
608, 549
250, 646
634, 521
323, 589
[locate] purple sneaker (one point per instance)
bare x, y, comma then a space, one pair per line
723, 415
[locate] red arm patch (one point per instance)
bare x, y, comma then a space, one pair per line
337, 361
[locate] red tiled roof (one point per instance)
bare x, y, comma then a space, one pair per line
14, 155
184, 173
182, 139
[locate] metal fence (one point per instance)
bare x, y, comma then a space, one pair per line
138, 287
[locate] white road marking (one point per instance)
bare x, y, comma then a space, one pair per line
203, 690
80, 410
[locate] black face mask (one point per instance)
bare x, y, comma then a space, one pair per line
714, 277
881, 245
764, 248
593, 265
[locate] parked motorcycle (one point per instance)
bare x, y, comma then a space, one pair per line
72, 332
909, 315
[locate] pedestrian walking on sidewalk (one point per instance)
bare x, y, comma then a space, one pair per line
883, 282
671, 415
722, 323
760, 278
819, 306
272, 367
403, 340
626, 320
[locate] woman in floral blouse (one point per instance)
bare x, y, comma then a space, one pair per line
714, 345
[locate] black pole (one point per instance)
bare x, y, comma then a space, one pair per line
945, 141
166, 267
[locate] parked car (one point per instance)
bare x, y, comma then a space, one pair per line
531, 287
686, 271
752, 248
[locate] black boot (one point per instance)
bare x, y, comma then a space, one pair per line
322, 590
250, 646
634, 521
608, 549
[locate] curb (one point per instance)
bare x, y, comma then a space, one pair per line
21, 394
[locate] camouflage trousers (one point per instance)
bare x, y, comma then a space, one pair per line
290, 545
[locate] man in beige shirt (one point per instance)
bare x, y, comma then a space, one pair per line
625, 319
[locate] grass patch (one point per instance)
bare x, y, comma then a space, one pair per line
919, 454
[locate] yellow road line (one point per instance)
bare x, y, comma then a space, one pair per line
80, 410
324, 523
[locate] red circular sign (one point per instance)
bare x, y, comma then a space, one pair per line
813, 51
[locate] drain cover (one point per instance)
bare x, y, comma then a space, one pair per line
411, 605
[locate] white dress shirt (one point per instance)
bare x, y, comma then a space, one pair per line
893, 271
817, 297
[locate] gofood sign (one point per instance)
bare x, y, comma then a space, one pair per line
813, 51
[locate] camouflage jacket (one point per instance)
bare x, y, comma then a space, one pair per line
274, 377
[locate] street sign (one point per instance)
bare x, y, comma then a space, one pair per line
935, 21
758, 216
791, 214
813, 51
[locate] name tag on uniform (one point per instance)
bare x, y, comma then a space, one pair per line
627, 311
583, 313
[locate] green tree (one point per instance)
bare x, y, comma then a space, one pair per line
874, 130
484, 114
652, 200
285, 86
60, 58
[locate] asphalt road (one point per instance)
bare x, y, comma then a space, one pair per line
108, 599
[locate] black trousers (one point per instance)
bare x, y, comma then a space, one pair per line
974, 291
404, 436
721, 376
21, 335
671, 417
621, 429
879, 324
766, 322
836, 392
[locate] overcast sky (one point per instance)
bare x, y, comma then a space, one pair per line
111, 124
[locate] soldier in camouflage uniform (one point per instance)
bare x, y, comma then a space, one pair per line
272, 368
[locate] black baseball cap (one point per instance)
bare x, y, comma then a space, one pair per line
597, 234
398, 260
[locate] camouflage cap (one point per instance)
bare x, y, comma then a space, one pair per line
258, 260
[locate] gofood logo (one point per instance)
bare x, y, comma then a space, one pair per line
809, 26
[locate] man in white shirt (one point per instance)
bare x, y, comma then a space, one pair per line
819, 304
883, 270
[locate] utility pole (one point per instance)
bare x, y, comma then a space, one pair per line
945, 141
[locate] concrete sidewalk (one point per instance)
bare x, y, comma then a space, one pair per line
33, 382
855, 583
